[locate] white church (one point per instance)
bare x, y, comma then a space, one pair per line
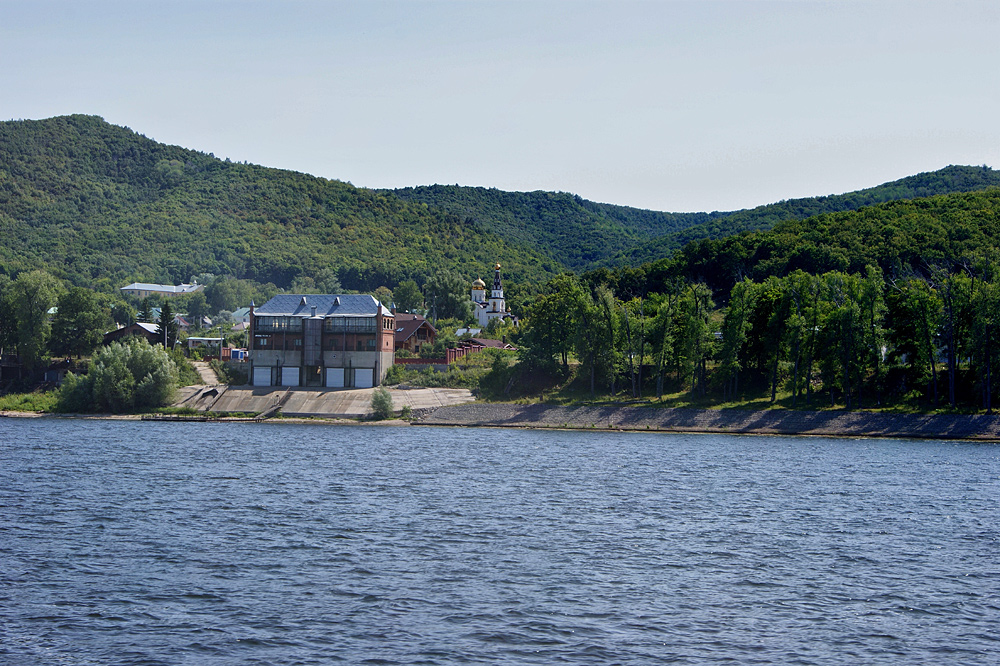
494, 307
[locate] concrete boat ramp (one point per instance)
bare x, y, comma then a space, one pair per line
316, 402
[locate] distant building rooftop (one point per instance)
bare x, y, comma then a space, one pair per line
147, 288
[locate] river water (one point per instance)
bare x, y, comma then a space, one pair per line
190, 543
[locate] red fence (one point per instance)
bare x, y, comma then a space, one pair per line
453, 354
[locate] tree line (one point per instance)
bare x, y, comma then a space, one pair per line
859, 340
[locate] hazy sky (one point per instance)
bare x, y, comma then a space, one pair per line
675, 106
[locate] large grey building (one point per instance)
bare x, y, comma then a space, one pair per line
331, 340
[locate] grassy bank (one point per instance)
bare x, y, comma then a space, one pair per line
39, 401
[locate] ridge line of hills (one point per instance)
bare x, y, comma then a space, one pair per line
102, 206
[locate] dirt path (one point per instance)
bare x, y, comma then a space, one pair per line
207, 374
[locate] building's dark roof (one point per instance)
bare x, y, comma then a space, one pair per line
138, 328
407, 324
496, 344
327, 305
134, 327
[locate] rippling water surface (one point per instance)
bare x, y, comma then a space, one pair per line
190, 543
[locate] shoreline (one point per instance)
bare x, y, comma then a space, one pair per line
613, 418
729, 421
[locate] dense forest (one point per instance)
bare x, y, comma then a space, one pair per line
894, 304
577, 233
900, 238
101, 206
944, 181
832, 339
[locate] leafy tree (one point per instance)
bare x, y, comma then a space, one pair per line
873, 313
697, 338
735, 327
634, 329
304, 284
955, 291
223, 319
125, 376
589, 336
986, 333
446, 295
500, 329
198, 308
607, 321
79, 323
407, 296
8, 317
384, 296
231, 294
327, 281
32, 296
123, 314
552, 322
662, 334
845, 358
915, 314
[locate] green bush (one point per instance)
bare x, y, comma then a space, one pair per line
229, 374
123, 377
496, 382
186, 374
382, 404
395, 375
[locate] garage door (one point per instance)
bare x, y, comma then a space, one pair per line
289, 376
262, 376
363, 378
335, 377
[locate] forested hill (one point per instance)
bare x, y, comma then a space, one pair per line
578, 233
103, 206
944, 181
901, 238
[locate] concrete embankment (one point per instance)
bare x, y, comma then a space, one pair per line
313, 402
772, 422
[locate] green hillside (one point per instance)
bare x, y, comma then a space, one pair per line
902, 238
102, 206
944, 181
576, 232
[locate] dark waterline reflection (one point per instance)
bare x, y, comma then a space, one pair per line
184, 543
